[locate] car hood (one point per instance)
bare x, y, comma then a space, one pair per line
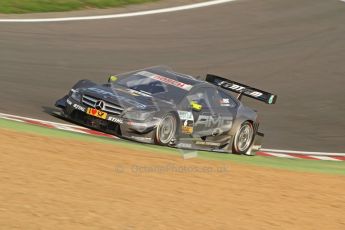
125, 97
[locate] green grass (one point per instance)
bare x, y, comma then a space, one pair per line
300, 165
35, 6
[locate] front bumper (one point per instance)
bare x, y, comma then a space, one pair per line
110, 123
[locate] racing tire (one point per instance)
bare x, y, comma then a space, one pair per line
243, 139
166, 130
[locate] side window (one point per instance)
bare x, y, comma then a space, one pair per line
212, 97
207, 97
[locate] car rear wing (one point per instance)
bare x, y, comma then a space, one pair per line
242, 89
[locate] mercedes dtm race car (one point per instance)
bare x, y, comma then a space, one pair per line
157, 105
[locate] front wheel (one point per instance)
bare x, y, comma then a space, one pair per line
166, 130
243, 138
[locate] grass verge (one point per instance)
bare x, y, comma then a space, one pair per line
301, 165
36, 6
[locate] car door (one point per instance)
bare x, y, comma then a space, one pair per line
208, 121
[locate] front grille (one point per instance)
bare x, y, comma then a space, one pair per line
108, 107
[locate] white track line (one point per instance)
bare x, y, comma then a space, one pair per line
15, 117
326, 158
302, 152
124, 15
282, 155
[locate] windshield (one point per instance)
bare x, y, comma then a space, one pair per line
153, 86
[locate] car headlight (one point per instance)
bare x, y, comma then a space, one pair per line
138, 115
76, 95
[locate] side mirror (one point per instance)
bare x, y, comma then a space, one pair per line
112, 78
195, 106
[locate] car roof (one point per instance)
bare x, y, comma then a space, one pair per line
167, 72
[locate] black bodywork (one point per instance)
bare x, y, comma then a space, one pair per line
131, 105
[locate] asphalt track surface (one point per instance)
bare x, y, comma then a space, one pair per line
293, 48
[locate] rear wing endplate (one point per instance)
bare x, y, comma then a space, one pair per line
242, 89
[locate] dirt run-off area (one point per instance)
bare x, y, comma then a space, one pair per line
56, 183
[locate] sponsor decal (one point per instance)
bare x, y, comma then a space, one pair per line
165, 80
185, 115
115, 119
79, 107
220, 124
187, 120
96, 113
214, 121
134, 92
138, 93
195, 106
187, 127
238, 88
225, 102
69, 102
207, 143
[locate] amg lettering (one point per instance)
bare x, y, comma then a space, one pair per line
211, 121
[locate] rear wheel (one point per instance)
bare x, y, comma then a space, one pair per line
243, 138
166, 130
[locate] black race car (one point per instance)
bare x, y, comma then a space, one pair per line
157, 105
